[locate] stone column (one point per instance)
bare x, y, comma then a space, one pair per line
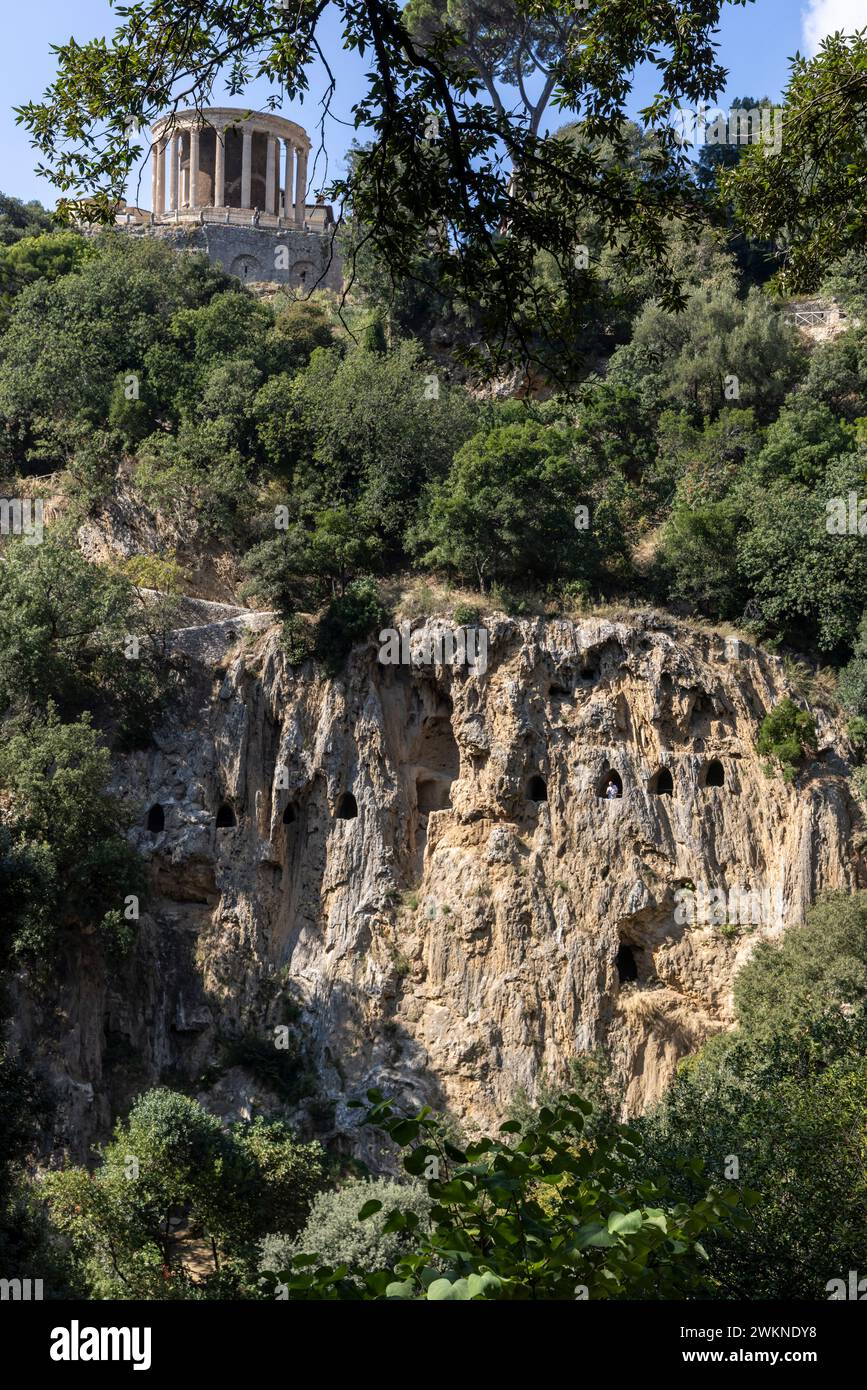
194, 166
219, 168
161, 176
300, 187
270, 172
179, 155
287, 182
247, 167
155, 165
175, 159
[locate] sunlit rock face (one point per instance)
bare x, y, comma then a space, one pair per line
421, 884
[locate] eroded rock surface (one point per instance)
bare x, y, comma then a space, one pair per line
484, 917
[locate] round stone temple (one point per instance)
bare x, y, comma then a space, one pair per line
226, 165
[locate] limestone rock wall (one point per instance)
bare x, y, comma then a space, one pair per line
456, 939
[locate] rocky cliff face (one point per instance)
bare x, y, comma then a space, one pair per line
485, 916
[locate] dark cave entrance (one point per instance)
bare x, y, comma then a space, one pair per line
156, 819
627, 966
604, 785
663, 783
347, 807
537, 789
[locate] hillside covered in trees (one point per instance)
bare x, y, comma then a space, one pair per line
340, 464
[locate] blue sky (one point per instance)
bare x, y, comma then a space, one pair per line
755, 44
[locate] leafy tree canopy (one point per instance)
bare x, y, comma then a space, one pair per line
508, 509
178, 1204
63, 861
534, 1213
64, 630
809, 195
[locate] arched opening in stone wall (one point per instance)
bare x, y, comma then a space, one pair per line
714, 775
662, 783
627, 966
610, 785
303, 273
347, 807
156, 819
246, 267
226, 817
537, 788
289, 814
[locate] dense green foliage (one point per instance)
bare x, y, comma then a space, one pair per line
28, 1245
778, 1107
78, 674
334, 1234
785, 735
700, 470
535, 1213
19, 220
65, 863
810, 195
65, 627
178, 1205
818, 971
507, 510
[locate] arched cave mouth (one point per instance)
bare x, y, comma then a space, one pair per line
432, 794
662, 783
289, 815
156, 819
588, 673
537, 788
226, 818
714, 774
627, 965
609, 775
347, 807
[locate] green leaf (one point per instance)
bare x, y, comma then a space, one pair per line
624, 1223
369, 1209
594, 1235
400, 1289
443, 1290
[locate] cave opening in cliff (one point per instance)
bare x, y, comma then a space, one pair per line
610, 785
663, 783
537, 788
156, 819
627, 967
289, 814
226, 817
715, 776
588, 674
347, 807
432, 794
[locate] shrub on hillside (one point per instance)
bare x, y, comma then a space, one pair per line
786, 734
335, 1235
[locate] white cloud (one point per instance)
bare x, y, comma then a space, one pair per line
824, 17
